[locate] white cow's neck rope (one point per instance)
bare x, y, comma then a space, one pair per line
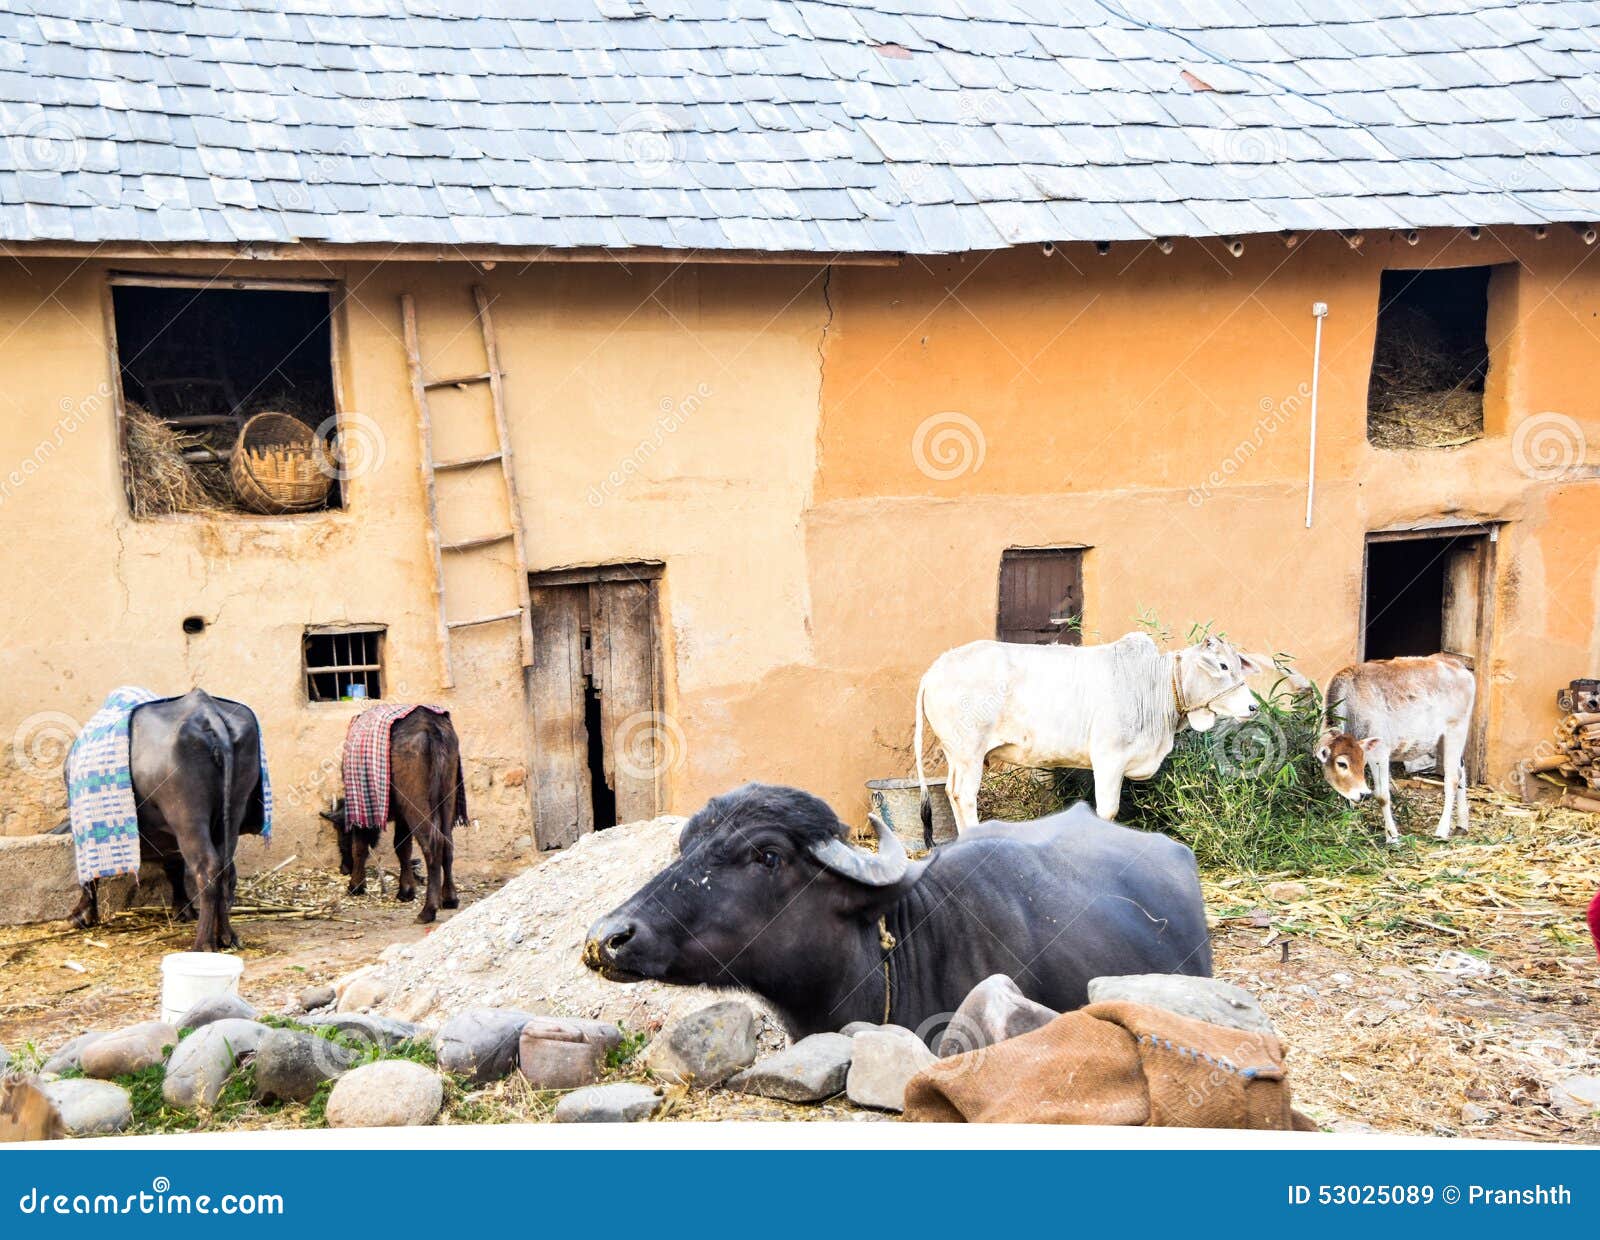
1177, 694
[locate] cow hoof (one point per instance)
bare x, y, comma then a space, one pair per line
450, 902
345, 870
427, 915
406, 894
357, 889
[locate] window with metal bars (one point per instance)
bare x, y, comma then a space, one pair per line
343, 663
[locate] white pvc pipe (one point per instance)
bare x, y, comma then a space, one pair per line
1319, 311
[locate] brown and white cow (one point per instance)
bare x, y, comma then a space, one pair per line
1114, 709
1405, 710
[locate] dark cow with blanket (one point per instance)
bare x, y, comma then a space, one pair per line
402, 764
196, 768
768, 895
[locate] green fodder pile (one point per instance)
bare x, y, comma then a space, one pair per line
1246, 796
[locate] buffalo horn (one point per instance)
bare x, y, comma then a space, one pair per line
884, 868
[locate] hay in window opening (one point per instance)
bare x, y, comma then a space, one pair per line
163, 481
1430, 359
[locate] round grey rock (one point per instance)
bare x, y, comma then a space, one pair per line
70, 1055
812, 1069
1198, 998
608, 1104
89, 1107
227, 1006
314, 997
131, 1049
392, 1093
379, 1030
993, 1011
481, 1042
882, 1061
291, 1065
706, 1047
203, 1061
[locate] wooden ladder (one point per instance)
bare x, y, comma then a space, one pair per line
421, 385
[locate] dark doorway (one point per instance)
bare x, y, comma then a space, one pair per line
1405, 594
1041, 596
602, 745
1427, 592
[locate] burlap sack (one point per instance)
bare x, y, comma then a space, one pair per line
1114, 1063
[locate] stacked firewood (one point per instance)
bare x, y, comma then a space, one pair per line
1578, 738
1576, 762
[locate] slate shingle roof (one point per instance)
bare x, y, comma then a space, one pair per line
789, 125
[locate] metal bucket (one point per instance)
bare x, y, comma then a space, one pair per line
899, 803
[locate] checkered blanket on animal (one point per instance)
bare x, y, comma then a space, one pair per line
366, 767
100, 801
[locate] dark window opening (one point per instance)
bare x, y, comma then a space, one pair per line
196, 365
1430, 358
343, 664
1041, 596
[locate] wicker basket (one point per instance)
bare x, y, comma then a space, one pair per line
277, 468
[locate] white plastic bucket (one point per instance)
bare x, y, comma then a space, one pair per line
188, 977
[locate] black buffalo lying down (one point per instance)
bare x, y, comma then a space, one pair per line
195, 762
768, 896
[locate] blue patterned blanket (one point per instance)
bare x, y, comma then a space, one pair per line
100, 801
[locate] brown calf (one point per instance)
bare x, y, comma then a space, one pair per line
1399, 710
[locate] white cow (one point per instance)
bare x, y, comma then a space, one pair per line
1114, 709
1409, 710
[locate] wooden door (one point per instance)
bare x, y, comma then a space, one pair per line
1463, 572
563, 801
1464, 631
1041, 591
638, 739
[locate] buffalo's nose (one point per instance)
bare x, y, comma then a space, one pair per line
607, 937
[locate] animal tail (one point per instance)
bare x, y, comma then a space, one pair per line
220, 745
922, 778
442, 791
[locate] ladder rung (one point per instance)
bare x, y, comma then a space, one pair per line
467, 462
458, 381
467, 544
502, 615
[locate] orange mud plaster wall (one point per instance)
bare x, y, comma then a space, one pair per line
1155, 408
829, 465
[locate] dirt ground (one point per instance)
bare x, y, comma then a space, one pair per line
1441, 995
56, 982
